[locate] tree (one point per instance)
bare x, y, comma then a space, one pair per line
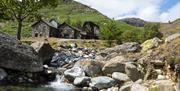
111, 32
153, 30
129, 36
152, 26
22, 9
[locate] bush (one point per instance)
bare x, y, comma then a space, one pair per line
129, 36
112, 32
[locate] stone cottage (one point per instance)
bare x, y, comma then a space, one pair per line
45, 29
91, 29
70, 32
52, 28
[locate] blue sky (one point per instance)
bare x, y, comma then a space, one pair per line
168, 4
149, 10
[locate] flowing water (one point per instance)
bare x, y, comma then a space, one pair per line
58, 60
57, 85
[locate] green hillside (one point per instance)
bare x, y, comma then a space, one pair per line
72, 12
170, 28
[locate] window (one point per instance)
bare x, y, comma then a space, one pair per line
40, 34
36, 34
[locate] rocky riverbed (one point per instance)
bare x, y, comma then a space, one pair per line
127, 67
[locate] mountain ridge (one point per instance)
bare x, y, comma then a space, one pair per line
134, 21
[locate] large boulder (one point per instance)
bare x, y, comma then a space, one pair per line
151, 43
126, 47
102, 82
139, 87
113, 66
164, 85
44, 50
172, 37
3, 74
6, 39
17, 56
82, 81
129, 47
120, 76
74, 72
91, 68
133, 73
111, 89
126, 87
119, 59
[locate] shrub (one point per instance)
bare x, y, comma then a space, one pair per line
129, 36
112, 32
152, 30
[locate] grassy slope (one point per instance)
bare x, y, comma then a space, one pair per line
168, 29
75, 11
85, 43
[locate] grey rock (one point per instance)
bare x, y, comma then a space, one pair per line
74, 72
159, 71
139, 87
3, 74
140, 81
112, 55
126, 87
44, 50
73, 45
151, 43
102, 82
130, 47
113, 89
113, 66
120, 76
91, 68
164, 85
158, 63
178, 86
17, 56
82, 81
161, 77
61, 70
7, 39
119, 59
133, 72
126, 47
63, 58
172, 37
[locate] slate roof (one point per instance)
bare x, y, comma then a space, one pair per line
46, 22
66, 24
60, 25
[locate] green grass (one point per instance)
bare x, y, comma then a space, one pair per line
56, 42
10, 27
73, 11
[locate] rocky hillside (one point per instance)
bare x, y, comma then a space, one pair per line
151, 66
134, 21
165, 28
170, 28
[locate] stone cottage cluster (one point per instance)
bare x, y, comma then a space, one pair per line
54, 29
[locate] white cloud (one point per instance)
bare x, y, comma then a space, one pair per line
146, 9
171, 14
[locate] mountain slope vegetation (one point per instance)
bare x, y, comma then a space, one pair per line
134, 21
67, 11
170, 28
